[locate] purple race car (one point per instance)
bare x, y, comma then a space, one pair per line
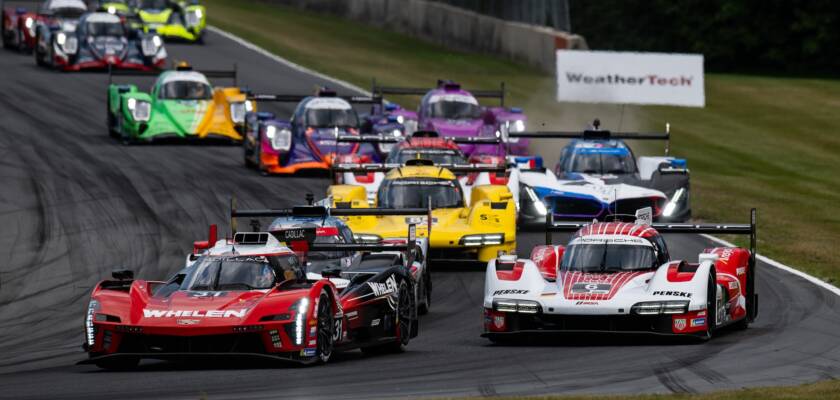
454, 112
308, 140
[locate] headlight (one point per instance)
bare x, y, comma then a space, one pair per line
300, 308
140, 110
517, 126
30, 26
660, 307
538, 204
482, 240
71, 45
672, 205
237, 112
400, 119
150, 45
249, 106
90, 330
520, 306
367, 238
281, 139
61, 38
112, 10
193, 18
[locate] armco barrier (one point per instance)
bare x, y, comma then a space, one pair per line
453, 27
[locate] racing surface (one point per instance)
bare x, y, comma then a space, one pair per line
75, 204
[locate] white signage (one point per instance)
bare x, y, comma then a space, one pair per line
630, 78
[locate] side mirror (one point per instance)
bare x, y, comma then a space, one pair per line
122, 274
331, 273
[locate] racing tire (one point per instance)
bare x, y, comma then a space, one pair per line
110, 121
711, 307
39, 59
403, 324
119, 364
325, 332
423, 308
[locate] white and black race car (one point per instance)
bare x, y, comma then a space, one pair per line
619, 277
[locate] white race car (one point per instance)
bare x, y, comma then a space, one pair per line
619, 277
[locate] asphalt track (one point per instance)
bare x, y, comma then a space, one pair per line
74, 204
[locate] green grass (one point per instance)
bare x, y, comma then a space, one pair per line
770, 143
826, 390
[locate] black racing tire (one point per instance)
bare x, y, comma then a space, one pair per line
426, 299
119, 364
39, 58
325, 329
403, 323
110, 120
711, 306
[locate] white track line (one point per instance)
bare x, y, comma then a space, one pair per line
810, 278
813, 279
281, 60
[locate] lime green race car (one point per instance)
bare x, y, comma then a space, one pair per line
182, 106
180, 20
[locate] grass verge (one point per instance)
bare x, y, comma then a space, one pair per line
769, 143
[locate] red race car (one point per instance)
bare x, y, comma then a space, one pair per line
249, 296
21, 24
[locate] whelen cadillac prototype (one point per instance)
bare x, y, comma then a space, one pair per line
249, 296
619, 277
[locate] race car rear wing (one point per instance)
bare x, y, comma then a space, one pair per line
598, 134
210, 73
322, 212
726, 229
409, 91
297, 98
393, 139
454, 168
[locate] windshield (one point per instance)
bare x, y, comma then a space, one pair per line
152, 4
455, 110
68, 12
329, 117
415, 193
105, 29
608, 256
185, 90
437, 156
617, 162
241, 273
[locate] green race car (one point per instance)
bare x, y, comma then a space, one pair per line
182, 105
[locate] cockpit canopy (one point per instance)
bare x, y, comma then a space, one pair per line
417, 192
242, 272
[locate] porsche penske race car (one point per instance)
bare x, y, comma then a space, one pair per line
612, 179
182, 105
308, 140
619, 277
476, 228
250, 296
99, 41
455, 112
20, 24
174, 20
428, 145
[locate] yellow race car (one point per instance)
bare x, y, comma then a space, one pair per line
477, 227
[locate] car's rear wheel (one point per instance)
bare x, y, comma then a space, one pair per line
39, 58
325, 328
402, 324
426, 304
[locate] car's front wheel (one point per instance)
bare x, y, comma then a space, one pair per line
711, 307
325, 328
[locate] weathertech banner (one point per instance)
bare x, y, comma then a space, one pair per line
630, 78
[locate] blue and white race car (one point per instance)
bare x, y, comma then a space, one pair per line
598, 174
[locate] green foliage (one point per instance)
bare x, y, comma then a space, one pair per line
776, 36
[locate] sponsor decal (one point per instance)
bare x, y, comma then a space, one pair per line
733, 285
724, 255
591, 288
741, 270
499, 321
586, 303
509, 291
671, 293
679, 324
381, 289
147, 313
337, 330
203, 294
310, 352
698, 322
374, 322
187, 321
